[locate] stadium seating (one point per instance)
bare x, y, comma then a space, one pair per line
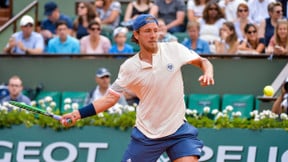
240, 102
199, 101
76, 97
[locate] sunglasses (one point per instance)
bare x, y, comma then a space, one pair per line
253, 31
93, 29
242, 10
279, 11
106, 76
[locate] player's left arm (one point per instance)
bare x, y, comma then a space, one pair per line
207, 78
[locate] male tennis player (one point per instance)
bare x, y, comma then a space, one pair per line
154, 75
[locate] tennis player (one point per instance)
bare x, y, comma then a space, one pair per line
154, 75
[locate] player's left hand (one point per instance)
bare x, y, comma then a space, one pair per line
206, 80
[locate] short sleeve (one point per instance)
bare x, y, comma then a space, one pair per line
116, 6
184, 54
190, 5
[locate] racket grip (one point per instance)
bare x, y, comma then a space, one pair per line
57, 117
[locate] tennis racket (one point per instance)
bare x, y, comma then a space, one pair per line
35, 110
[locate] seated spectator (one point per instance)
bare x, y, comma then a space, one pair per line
134, 9
120, 46
85, 13
63, 43
15, 88
229, 41
251, 44
172, 12
210, 24
258, 10
285, 6
164, 35
279, 42
109, 12
94, 43
103, 82
266, 28
195, 9
242, 20
194, 42
281, 103
229, 7
25, 41
48, 26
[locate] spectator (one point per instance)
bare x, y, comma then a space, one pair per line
103, 82
109, 12
229, 41
279, 42
194, 42
94, 43
242, 20
285, 6
210, 24
266, 28
120, 46
85, 13
48, 26
15, 88
172, 12
281, 103
258, 10
25, 41
164, 35
134, 9
195, 9
229, 7
251, 44
63, 43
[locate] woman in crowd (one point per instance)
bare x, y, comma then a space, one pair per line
229, 41
279, 42
134, 9
109, 12
195, 9
210, 24
242, 20
85, 14
94, 43
251, 44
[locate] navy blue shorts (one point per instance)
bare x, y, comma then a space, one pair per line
183, 142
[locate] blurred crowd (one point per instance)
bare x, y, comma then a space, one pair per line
205, 26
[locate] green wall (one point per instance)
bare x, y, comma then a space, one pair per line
68, 73
104, 144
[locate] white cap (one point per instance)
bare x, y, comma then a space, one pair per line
26, 20
120, 30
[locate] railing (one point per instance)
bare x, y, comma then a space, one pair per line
14, 20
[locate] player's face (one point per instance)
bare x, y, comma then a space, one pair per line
148, 37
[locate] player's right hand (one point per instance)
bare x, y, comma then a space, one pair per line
70, 119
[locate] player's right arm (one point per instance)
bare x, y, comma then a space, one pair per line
99, 105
